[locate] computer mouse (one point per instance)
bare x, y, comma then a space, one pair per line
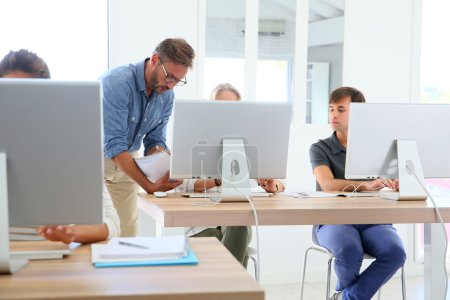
160, 194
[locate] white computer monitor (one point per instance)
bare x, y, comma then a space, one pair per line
249, 138
51, 154
387, 140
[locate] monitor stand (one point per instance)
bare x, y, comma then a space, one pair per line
235, 172
7, 264
409, 163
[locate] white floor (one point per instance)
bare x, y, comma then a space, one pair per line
316, 290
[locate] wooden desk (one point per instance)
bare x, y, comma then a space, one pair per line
176, 211
217, 276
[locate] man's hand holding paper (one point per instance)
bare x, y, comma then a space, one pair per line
154, 166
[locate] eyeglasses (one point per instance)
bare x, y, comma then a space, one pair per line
170, 79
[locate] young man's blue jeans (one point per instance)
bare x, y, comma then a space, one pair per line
348, 243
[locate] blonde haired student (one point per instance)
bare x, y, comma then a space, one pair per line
235, 238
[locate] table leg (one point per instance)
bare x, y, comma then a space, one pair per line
434, 259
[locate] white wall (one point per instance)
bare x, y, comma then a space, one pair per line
378, 59
137, 26
381, 49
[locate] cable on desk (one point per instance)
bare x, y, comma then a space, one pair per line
207, 200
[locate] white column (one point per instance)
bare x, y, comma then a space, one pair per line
301, 61
251, 48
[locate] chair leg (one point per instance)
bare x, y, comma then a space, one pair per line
403, 284
330, 260
255, 263
303, 273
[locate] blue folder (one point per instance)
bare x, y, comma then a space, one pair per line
189, 259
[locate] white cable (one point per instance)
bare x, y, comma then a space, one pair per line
211, 202
208, 201
355, 188
441, 221
255, 215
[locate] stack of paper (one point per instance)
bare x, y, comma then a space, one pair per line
38, 250
26, 233
143, 251
154, 166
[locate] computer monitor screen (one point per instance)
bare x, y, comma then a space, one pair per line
200, 128
51, 133
375, 131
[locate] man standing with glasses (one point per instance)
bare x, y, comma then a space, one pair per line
137, 104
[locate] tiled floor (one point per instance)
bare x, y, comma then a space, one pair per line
316, 290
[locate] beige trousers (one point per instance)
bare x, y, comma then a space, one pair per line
123, 191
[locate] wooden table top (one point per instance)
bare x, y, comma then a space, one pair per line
177, 211
217, 276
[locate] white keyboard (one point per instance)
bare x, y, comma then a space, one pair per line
381, 194
217, 195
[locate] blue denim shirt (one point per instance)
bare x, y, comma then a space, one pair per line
129, 116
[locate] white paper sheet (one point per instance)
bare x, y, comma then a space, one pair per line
154, 166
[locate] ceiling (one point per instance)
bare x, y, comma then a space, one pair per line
276, 9
325, 9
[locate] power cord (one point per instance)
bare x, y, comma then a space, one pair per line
353, 193
255, 215
208, 200
215, 201
441, 221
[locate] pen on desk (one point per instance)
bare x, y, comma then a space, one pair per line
132, 245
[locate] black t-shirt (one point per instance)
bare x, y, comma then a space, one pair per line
329, 152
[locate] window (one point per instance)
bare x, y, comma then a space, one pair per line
224, 44
435, 60
225, 48
434, 87
276, 50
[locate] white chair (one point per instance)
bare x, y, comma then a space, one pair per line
317, 247
251, 252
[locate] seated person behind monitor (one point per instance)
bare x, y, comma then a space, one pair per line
23, 64
86, 233
235, 238
26, 64
349, 242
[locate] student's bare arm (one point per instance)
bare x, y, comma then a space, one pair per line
77, 233
328, 183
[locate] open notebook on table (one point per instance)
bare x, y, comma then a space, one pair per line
143, 251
